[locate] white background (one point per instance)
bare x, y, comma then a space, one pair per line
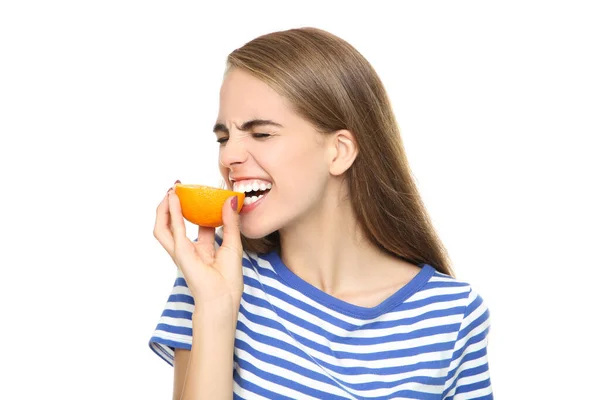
103, 105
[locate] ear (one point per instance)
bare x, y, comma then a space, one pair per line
342, 150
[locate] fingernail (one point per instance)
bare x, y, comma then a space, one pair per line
234, 203
171, 188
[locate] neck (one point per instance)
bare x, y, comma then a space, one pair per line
328, 249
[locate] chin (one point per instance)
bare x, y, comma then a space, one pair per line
256, 232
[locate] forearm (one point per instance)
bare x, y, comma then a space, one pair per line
209, 372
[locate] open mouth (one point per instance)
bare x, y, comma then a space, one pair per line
254, 195
254, 190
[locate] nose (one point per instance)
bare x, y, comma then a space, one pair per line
233, 152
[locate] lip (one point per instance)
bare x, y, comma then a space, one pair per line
243, 178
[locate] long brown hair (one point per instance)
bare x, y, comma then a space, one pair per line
331, 85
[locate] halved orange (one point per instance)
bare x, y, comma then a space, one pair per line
203, 205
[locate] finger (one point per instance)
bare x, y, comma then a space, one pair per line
205, 244
230, 252
177, 223
162, 230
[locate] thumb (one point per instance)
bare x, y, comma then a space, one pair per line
231, 249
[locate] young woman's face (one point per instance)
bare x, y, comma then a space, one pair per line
268, 150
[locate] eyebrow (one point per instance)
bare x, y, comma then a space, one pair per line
246, 126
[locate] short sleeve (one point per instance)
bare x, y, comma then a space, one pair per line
174, 329
468, 373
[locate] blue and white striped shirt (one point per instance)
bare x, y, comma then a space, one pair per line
426, 341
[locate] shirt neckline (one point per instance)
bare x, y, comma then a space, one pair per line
294, 281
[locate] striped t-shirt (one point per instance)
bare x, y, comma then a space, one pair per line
293, 341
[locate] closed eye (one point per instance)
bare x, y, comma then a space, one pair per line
223, 140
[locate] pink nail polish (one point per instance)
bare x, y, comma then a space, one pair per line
234, 203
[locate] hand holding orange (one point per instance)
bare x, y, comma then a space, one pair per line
203, 205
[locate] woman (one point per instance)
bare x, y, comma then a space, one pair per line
331, 283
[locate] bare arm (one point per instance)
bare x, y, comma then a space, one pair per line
180, 364
209, 371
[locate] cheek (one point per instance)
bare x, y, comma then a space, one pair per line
300, 173
297, 153
288, 166
225, 175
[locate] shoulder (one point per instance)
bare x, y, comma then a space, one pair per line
474, 310
458, 295
468, 366
450, 284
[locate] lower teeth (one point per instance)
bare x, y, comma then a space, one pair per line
253, 199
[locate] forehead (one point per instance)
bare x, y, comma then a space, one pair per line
243, 96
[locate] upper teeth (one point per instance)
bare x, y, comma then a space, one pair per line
251, 185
